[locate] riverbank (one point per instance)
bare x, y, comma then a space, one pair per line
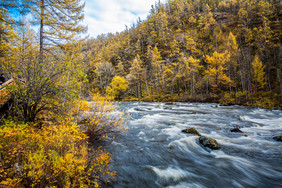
265, 100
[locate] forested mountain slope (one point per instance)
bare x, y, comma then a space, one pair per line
190, 47
200, 50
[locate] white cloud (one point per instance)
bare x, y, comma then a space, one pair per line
110, 16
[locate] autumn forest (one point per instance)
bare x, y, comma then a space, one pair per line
220, 51
195, 50
208, 51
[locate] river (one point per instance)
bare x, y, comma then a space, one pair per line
155, 153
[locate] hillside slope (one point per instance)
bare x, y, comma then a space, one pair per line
221, 50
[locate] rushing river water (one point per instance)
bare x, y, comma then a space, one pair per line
155, 153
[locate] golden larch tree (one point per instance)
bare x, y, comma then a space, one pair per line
216, 70
258, 74
135, 76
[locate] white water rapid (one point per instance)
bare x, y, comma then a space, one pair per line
155, 153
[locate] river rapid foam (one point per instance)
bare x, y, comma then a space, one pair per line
155, 153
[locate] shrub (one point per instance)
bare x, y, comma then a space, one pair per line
227, 99
264, 100
102, 119
80, 105
56, 155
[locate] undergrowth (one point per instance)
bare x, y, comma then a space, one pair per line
103, 118
60, 153
56, 155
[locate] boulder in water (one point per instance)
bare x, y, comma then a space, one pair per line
167, 108
191, 131
278, 138
209, 142
171, 146
236, 130
139, 109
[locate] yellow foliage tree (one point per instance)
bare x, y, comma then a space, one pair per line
7, 37
117, 87
258, 74
233, 49
216, 70
168, 77
184, 70
135, 76
156, 61
194, 65
120, 69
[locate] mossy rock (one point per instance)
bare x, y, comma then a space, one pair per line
278, 138
236, 130
191, 131
209, 142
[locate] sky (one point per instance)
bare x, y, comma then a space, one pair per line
111, 16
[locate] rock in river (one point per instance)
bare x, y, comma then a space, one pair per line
209, 142
278, 138
191, 131
236, 130
139, 109
167, 108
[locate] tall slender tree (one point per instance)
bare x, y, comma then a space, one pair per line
216, 70
6, 32
135, 76
58, 22
258, 73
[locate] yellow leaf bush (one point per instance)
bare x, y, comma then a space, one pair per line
104, 118
80, 105
56, 156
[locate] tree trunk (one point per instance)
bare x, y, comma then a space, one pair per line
278, 67
193, 84
42, 10
147, 87
101, 86
140, 88
207, 85
229, 74
178, 90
